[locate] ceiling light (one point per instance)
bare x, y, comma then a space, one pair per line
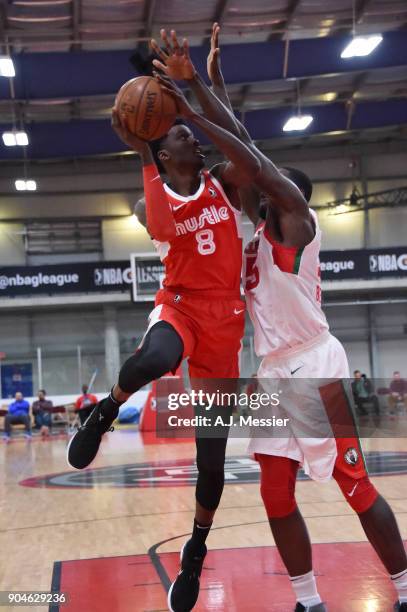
297, 123
7, 67
360, 46
21, 139
9, 139
22, 185
13, 139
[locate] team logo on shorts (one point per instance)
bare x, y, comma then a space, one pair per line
351, 456
177, 298
212, 192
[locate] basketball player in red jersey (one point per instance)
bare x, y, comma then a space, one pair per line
199, 314
291, 333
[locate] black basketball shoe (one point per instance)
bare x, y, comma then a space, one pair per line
321, 607
400, 607
84, 444
184, 590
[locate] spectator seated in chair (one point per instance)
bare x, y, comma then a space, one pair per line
18, 413
42, 415
85, 404
363, 395
398, 392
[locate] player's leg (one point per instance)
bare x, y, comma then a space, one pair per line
278, 478
160, 352
223, 329
379, 524
210, 461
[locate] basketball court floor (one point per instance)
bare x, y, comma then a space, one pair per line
109, 537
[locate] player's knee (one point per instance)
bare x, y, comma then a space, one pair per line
143, 367
360, 494
277, 487
278, 501
211, 463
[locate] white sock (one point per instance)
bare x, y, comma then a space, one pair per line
305, 588
400, 584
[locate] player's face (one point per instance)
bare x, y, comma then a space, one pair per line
183, 148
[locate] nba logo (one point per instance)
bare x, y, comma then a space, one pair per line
177, 298
351, 456
373, 263
212, 192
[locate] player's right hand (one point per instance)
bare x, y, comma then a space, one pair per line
213, 60
176, 62
132, 141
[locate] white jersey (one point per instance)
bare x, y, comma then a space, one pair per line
283, 292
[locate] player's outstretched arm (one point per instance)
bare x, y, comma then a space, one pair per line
177, 64
159, 219
213, 66
243, 165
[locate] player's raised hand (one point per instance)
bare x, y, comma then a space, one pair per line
132, 141
213, 60
183, 107
176, 62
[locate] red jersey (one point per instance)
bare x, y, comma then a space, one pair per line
85, 400
206, 253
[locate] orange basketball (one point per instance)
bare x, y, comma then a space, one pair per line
146, 110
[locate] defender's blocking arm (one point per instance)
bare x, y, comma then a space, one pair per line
243, 165
176, 64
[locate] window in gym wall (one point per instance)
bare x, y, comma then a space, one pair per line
63, 240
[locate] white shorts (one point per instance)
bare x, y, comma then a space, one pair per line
298, 376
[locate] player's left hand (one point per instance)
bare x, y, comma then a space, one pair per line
183, 107
176, 62
213, 60
131, 140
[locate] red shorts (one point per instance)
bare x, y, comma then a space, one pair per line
211, 326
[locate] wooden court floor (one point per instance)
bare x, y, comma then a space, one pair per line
111, 535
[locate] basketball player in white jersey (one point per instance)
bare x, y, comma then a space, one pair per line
282, 284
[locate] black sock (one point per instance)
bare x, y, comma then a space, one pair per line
110, 406
199, 535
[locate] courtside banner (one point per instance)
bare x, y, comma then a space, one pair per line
364, 263
281, 408
59, 279
144, 273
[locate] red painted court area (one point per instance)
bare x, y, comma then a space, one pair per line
349, 575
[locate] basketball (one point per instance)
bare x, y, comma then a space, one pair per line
146, 110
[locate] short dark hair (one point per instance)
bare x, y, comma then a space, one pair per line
42, 391
356, 371
300, 179
158, 144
